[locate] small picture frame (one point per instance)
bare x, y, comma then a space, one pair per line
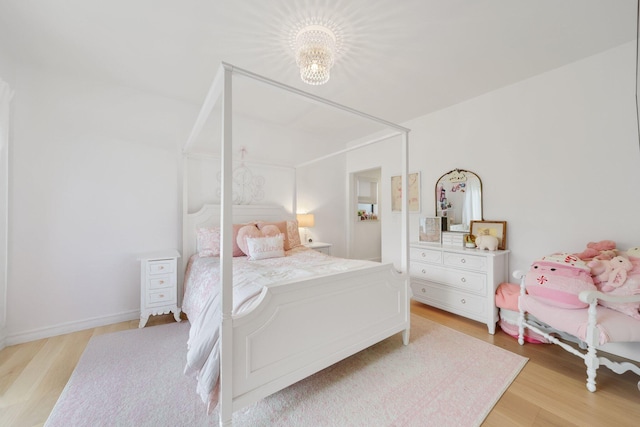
430, 229
492, 228
414, 192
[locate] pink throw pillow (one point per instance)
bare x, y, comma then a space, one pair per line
270, 231
293, 234
208, 241
282, 226
266, 247
244, 233
558, 280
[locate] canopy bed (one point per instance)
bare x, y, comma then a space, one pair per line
273, 333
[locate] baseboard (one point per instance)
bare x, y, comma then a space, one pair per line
69, 327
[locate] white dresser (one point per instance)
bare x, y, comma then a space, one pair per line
158, 284
462, 281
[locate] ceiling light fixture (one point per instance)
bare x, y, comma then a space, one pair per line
315, 47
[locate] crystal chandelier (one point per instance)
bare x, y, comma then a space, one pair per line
315, 49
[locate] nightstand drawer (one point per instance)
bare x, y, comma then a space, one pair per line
166, 296
161, 281
165, 266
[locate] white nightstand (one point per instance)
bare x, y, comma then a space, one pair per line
158, 284
320, 247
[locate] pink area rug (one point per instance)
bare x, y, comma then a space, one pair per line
442, 378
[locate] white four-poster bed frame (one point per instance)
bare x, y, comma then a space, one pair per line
300, 328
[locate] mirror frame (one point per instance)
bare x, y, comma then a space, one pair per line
462, 172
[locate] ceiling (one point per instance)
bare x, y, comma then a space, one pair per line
400, 59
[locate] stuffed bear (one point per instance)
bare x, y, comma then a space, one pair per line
604, 249
600, 270
634, 252
630, 287
619, 266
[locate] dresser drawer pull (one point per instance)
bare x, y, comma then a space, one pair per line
463, 301
463, 260
423, 255
161, 282
424, 291
424, 271
463, 280
162, 267
161, 296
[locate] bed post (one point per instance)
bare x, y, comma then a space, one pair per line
226, 255
405, 226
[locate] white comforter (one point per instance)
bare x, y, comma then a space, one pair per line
202, 301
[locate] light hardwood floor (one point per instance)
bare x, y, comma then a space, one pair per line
550, 390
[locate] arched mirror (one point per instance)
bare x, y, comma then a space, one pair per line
459, 199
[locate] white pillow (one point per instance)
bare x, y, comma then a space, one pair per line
265, 247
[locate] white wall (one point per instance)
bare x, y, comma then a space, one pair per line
5, 120
321, 190
558, 156
94, 182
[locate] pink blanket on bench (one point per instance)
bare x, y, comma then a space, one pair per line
612, 325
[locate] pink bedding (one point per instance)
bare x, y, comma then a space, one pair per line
202, 300
612, 325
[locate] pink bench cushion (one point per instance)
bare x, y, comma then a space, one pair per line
613, 325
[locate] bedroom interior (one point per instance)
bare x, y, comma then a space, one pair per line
93, 174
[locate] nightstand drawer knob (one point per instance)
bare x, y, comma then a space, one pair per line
463, 260
424, 271
463, 280
423, 255
161, 295
463, 301
424, 291
161, 282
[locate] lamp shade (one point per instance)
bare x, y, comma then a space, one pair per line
305, 220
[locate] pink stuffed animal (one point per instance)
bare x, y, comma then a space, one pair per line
617, 274
600, 270
600, 250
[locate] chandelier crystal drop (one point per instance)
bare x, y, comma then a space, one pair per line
315, 49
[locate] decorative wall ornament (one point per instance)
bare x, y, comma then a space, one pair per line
246, 186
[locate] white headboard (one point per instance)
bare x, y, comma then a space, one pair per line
209, 215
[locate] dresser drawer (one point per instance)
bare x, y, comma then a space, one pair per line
471, 262
450, 300
427, 255
165, 296
467, 281
161, 281
165, 266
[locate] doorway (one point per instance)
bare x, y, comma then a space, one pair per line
364, 215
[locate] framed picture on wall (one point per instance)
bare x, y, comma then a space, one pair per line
430, 229
497, 229
414, 192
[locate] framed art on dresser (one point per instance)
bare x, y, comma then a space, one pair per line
497, 229
430, 229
